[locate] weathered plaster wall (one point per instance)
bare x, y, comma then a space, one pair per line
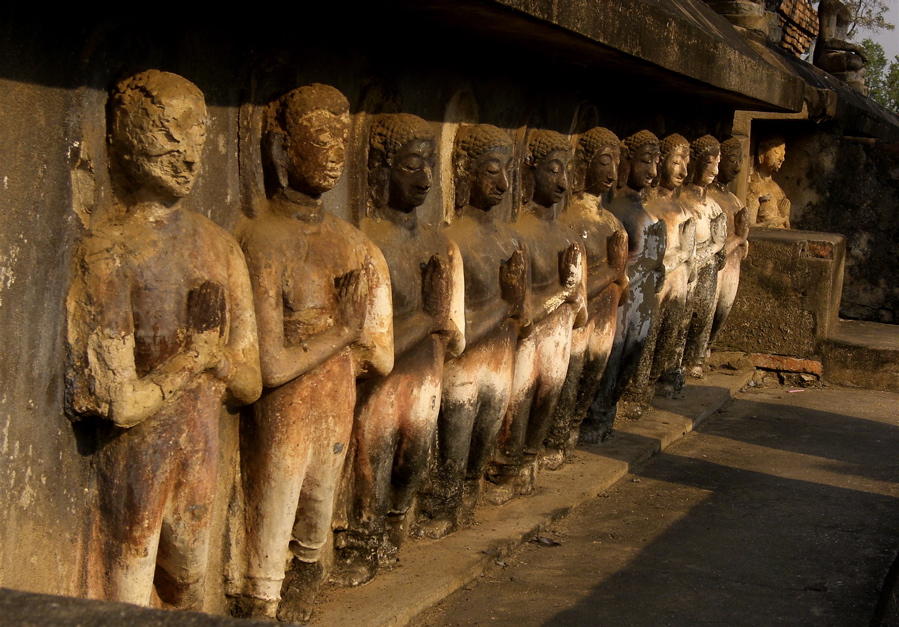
850, 186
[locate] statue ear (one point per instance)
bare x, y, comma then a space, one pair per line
528, 182
379, 186
461, 186
579, 176
624, 171
276, 150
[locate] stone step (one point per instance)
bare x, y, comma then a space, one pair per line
862, 354
431, 570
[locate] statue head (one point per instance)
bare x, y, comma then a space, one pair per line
731, 160
482, 156
598, 153
639, 160
705, 153
156, 133
771, 153
675, 159
401, 157
306, 138
545, 170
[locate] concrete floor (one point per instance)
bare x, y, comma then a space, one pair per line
782, 509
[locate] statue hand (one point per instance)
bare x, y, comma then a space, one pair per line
741, 223
352, 290
207, 308
570, 266
616, 250
436, 287
513, 279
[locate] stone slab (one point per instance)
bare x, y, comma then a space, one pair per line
862, 354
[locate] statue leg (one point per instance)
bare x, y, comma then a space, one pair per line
701, 320
600, 417
553, 356
277, 447
417, 417
441, 499
560, 427
728, 283
667, 372
503, 471
134, 480
184, 541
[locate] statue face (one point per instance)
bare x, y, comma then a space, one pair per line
411, 175
603, 170
490, 177
551, 178
644, 166
729, 168
674, 167
774, 157
161, 146
316, 151
706, 169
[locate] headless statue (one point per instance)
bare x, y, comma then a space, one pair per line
768, 205
833, 52
161, 330
477, 385
645, 271
605, 240
396, 414
736, 246
323, 304
711, 230
558, 305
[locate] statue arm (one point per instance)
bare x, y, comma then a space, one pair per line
376, 340
102, 341
455, 327
239, 367
280, 363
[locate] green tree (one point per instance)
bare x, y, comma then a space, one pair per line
868, 14
883, 75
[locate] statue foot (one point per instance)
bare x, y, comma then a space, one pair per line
696, 372
552, 459
436, 528
526, 481
246, 606
500, 491
397, 532
357, 558
301, 585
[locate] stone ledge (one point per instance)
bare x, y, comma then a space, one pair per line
431, 570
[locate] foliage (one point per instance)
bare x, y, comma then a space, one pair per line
869, 15
883, 75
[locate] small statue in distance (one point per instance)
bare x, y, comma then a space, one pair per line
605, 241
477, 385
161, 330
396, 414
736, 246
768, 205
711, 232
558, 305
646, 237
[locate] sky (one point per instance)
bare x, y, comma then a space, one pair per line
889, 39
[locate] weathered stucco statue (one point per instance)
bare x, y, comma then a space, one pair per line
605, 240
767, 203
660, 367
736, 246
833, 52
396, 415
477, 384
711, 231
161, 330
323, 304
645, 271
558, 304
